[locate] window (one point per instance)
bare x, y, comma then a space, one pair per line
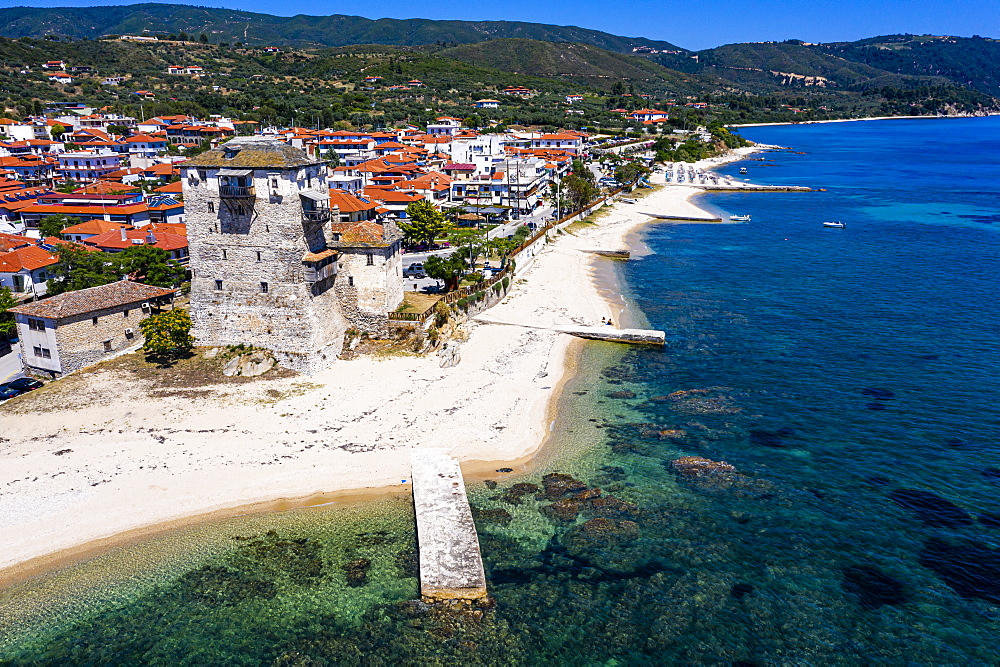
263, 288
350, 281
260, 256
218, 284
107, 346
95, 321
211, 207
224, 254
36, 325
125, 314
370, 259
43, 352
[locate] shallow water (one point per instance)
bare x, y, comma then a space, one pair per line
848, 376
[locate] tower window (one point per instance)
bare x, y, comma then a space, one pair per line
211, 207
218, 284
224, 256
260, 256
350, 281
263, 288
370, 260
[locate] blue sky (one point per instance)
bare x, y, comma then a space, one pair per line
694, 24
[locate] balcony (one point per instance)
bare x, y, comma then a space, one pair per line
236, 192
318, 215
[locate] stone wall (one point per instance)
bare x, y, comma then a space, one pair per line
367, 292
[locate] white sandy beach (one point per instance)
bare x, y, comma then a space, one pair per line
113, 459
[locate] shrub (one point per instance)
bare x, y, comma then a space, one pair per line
463, 303
506, 282
480, 295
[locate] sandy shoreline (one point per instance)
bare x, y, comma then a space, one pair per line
118, 465
851, 120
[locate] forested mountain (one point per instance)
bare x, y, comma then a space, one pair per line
970, 61
581, 63
227, 25
896, 61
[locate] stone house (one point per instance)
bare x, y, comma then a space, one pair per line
264, 263
72, 330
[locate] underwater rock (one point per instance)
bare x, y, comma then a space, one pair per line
992, 475
604, 530
674, 434
565, 509
930, 509
496, 515
216, 586
619, 447
407, 564
660, 399
490, 484
357, 572
611, 507
872, 587
770, 438
298, 560
954, 443
558, 485
505, 470
515, 494
972, 569
709, 476
740, 590
709, 401
989, 520
611, 474
878, 394
878, 480
622, 394
698, 466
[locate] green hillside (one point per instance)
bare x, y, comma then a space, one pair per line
581, 63
970, 61
227, 25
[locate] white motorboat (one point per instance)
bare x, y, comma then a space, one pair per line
834, 225
743, 170
739, 218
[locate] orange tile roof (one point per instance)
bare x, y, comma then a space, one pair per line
348, 203
95, 227
11, 241
113, 240
105, 187
27, 258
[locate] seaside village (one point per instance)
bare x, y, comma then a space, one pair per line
288, 238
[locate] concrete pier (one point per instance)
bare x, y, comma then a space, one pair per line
451, 566
642, 336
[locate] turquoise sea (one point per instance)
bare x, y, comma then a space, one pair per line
846, 377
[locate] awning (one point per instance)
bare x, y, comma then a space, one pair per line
314, 196
235, 172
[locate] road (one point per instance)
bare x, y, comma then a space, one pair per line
10, 364
539, 217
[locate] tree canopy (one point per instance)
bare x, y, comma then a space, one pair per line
7, 324
167, 334
423, 222
448, 269
80, 268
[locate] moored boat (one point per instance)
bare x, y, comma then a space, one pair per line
739, 218
835, 225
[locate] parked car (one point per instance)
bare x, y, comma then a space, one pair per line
415, 270
6, 391
25, 384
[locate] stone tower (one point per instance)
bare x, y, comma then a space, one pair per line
263, 268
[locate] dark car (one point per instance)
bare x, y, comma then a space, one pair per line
24, 384
6, 391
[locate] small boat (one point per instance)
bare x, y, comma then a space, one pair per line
739, 218
835, 225
743, 170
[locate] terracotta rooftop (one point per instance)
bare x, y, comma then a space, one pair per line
68, 304
27, 258
95, 227
253, 152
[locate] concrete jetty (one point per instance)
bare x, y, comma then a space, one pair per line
641, 336
680, 218
451, 566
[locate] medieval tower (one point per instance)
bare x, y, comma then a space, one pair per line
262, 263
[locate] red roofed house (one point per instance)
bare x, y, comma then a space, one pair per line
392, 200
649, 116
26, 270
73, 330
85, 230
563, 142
123, 239
353, 208
86, 166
